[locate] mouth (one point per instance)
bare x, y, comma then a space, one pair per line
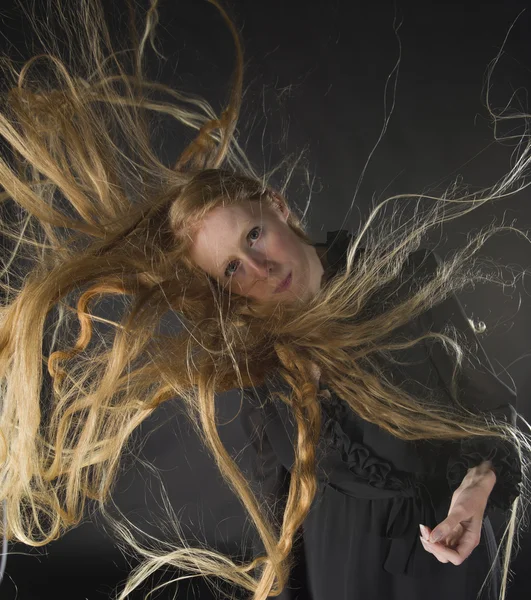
284, 285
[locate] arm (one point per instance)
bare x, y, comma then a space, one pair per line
481, 391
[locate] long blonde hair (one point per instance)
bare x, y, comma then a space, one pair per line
96, 214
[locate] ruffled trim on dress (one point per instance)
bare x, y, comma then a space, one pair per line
464, 455
505, 463
361, 462
400, 500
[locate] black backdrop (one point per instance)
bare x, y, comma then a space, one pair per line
317, 72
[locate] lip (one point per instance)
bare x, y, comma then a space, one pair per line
284, 285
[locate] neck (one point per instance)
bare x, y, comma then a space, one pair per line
321, 253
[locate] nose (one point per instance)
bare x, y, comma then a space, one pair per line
259, 266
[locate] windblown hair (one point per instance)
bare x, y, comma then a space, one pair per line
93, 213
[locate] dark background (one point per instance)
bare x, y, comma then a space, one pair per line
316, 77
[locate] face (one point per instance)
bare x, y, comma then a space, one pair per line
250, 249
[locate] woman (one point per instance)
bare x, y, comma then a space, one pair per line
328, 347
367, 482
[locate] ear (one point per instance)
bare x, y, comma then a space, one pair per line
280, 203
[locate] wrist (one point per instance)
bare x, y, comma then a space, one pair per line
482, 474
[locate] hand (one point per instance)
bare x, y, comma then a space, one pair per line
461, 530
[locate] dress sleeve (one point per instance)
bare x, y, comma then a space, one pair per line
480, 390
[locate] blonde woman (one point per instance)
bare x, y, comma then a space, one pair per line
365, 381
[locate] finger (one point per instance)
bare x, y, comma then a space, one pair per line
465, 545
451, 541
429, 548
445, 554
445, 529
453, 538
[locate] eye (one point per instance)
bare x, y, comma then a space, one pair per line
228, 272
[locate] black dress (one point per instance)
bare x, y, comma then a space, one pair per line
361, 536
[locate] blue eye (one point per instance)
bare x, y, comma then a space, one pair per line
229, 274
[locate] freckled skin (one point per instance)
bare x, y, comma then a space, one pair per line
267, 251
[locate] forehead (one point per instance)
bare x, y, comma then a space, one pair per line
219, 234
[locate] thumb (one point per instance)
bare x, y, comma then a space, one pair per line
443, 529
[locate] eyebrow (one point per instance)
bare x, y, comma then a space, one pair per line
223, 266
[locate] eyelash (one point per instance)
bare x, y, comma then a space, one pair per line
226, 275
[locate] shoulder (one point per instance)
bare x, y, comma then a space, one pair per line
425, 258
422, 258
420, 263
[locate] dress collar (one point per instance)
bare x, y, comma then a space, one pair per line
337, 243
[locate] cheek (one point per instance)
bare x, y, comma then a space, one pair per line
292, 251
286, 251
